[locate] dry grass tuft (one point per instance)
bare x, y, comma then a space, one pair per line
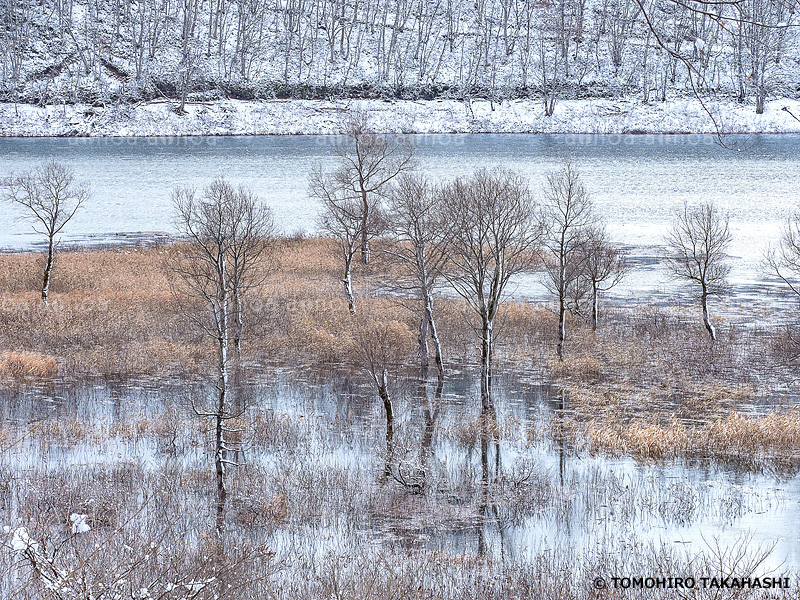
20, 365
776, 435
579, 368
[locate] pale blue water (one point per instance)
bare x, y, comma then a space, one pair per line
687, 507
638, 183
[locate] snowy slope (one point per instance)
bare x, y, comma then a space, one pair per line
231, 117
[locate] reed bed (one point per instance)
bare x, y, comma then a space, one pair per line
736, 437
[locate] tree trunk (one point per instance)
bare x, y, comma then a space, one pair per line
761, 83
562, 326
437, 346
219, 449
237, 332
348, 289
364, 228
739, 67
48, 269
594, 306
184, 93
560, 437
486, 360
485, 417
760, 95
706, 318
222, 388
549, 104
219, 466
422, 340
387, 405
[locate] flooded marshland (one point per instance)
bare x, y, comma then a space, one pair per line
311, 490
637, 446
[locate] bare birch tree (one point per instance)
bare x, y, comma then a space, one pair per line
190, 51
761, 29
252, 240
604, 266
202, 265
696, 245
342, 219
416, 223
492, 233
785, 260
368, 163
225, 233
50, 196
567, 216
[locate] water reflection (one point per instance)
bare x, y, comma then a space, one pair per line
505, 485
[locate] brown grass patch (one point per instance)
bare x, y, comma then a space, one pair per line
113, 313
775, 435
20, 365
580, 368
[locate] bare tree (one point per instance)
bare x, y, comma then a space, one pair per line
492, 233
17, 37
696, 245
550, 61
190, 51
785, 260
342, 219
567, 216
252, 239
761, 30
368, 162
416, 223
51, 197
604, 266
225, 233
379, 348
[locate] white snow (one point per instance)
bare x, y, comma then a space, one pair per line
79, 524
291, 117
21, 541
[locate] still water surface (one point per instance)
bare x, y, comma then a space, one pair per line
586, 501
638, 184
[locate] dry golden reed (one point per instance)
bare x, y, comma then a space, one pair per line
18, 365
776, 434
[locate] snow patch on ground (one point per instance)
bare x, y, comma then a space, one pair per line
292, 117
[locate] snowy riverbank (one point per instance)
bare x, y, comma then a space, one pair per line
290, 117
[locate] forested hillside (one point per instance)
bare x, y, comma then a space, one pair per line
110, 51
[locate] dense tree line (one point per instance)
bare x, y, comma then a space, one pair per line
107, 50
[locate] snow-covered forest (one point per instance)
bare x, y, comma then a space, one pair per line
122, 51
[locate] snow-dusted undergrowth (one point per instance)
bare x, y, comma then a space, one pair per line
279, 117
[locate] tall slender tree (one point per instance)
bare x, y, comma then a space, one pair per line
50, 196
696, 246
225, 233
567, 216
368, 162
416, 223
604, 266
342, 219
492, 235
